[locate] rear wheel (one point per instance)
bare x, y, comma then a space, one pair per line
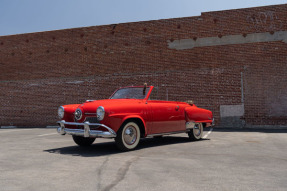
196, 133
83, 141
128, 136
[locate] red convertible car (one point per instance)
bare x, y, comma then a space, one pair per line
129, 114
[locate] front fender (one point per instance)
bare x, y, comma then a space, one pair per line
69, 111
122, 117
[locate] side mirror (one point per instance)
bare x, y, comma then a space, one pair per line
190, 102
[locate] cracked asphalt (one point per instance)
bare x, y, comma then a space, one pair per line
39, 159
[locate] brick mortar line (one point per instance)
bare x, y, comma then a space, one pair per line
115, 75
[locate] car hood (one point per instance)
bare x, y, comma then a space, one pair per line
108, 104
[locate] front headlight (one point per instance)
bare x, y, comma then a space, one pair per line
61, 112
100, 113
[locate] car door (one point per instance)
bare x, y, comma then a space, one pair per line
166, 116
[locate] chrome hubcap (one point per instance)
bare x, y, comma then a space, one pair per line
197, 130
130, 135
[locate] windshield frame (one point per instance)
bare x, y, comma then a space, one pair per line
147, 95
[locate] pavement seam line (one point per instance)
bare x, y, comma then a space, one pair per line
207, 134
9, 131
47, 134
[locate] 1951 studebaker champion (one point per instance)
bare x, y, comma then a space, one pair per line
129, 114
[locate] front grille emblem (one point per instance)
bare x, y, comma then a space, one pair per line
78, 114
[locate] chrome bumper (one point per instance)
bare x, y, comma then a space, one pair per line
86, 132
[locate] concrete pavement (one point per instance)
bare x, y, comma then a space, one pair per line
40, 159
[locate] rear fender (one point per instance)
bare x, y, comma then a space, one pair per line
198, 115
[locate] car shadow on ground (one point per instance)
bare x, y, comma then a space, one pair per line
109, 148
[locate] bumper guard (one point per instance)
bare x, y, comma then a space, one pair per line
86, 132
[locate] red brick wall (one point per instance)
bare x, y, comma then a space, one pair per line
41, 71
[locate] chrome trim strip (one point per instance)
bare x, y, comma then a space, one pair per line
169, 133
91, 114
86, 132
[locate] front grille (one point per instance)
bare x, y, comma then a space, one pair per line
92, 119
75, 119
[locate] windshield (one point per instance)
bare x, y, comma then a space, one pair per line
130, 93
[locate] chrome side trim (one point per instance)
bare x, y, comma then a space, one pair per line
169, 133
86, 132
91, 114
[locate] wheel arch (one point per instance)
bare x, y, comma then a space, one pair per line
139, 121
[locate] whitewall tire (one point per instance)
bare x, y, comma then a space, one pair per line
128, 136
196, 133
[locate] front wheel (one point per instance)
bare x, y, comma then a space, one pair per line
196, 133
83, 141
128, 136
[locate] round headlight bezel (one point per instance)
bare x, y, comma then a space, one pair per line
100, 113
78, 114
61, 112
